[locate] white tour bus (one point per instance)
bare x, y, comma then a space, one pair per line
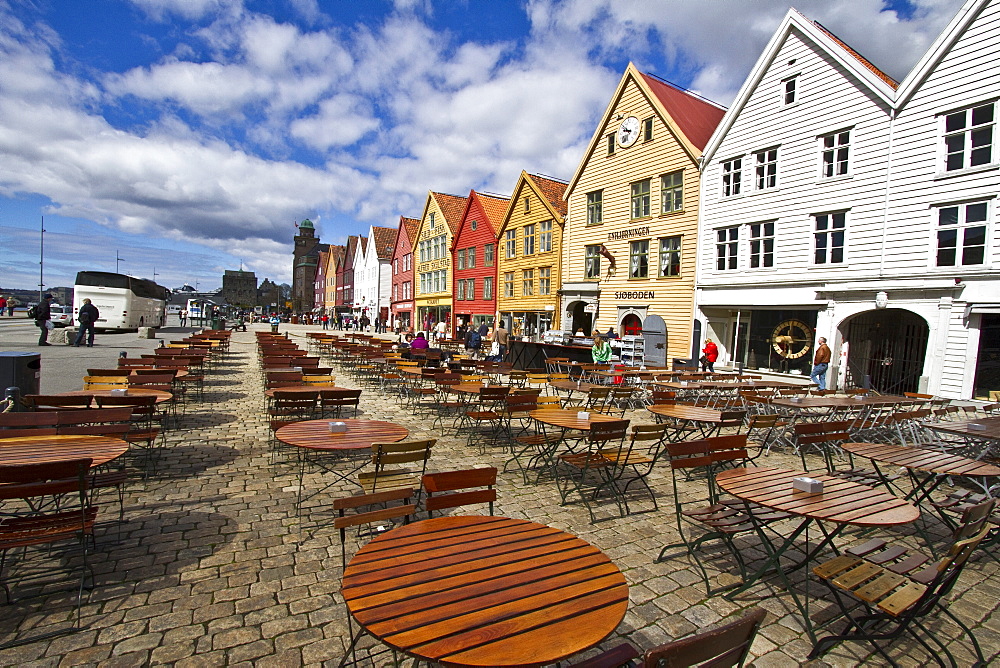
124, 302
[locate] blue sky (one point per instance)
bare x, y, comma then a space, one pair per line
188, 135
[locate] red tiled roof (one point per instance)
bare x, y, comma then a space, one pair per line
861, 59
552, 190
412, 225
494, 207
695, 117
452, 207
385, 239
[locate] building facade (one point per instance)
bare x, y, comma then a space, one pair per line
432, 259
401, 294
793, 199
378, 272
334, 258
630, 239
345, 280
527, 256
360, 279
473, 253
239, 288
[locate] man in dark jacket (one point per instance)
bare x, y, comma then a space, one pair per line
43, 313
87, 316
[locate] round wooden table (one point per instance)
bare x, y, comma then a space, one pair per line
160, 395
44, 449
568, 419
485, 591
316, 435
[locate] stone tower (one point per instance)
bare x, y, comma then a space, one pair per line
304, 267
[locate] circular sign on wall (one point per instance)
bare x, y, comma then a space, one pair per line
791, 339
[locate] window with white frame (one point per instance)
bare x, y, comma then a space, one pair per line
545, 280
727, 243
836, 152
406, 289
732, 176
529, 239
593, 262
638, 259
431, 220
829, 237
766, 168
488, 255
511, 242
640, 199
969, 137
672, 192
670, 256
761, 245
545, 237
527, 282
488, 287
508, 284
790, 91
961, 234
595, 207
395, 293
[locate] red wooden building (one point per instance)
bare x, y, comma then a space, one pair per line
473, 256
401, 292
345, 279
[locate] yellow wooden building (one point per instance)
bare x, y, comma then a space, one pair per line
629, 243
432, 260
529, 243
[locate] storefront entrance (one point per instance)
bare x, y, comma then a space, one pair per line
987, 383
886, 350
582, 321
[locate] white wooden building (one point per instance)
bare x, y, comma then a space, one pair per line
835, 204
362, 280
793, 196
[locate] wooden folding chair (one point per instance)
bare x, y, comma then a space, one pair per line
388, 456
484, 479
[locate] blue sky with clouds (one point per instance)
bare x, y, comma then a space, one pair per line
187, 135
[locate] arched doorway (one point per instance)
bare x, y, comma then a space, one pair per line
581, 319
886, 349
631, 325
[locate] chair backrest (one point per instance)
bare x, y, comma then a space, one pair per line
359, 518
450, 481
108, 372
25, 481
151, 379
723, 647
104, 382
402, 452
605, 432
43, 402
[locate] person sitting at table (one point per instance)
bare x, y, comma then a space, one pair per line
419, 343
601, 352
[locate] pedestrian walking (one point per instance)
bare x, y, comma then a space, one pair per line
11, 303
42, 315
87, 317
3, 304
183, 316
821, 362
501, 336
710, 353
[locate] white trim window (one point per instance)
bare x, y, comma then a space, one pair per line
969, 137
508, 284
527, 282
835, 153
545, 280
766, 168
732, 177
670, 256
529, 239
727, 247
961, 234
830, 230
761, 245
638, 263
431, 220
790, 91
511, 242
672, 191
545, 237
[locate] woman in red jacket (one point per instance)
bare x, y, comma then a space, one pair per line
710, 354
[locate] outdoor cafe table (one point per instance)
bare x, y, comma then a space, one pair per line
927, 468
706, 421
571, 386
46, 449
565, 421
842, 503
160, 395
484, 591
982, 437
314, 439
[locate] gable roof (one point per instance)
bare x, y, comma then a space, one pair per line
939, 49
550, 190
350, 251
690, 118
871, 77
408, 228
452, 207
493, 207
384, 240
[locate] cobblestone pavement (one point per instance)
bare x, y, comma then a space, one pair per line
214, 567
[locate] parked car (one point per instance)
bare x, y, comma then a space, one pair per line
62, 316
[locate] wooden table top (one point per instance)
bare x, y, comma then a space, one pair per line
833, 401
695, 413
941, 463
842, 501
465, 388
485, 591
360, 434
301, 389
44, 449
991, 432
572, 386
568, 419
160, 395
